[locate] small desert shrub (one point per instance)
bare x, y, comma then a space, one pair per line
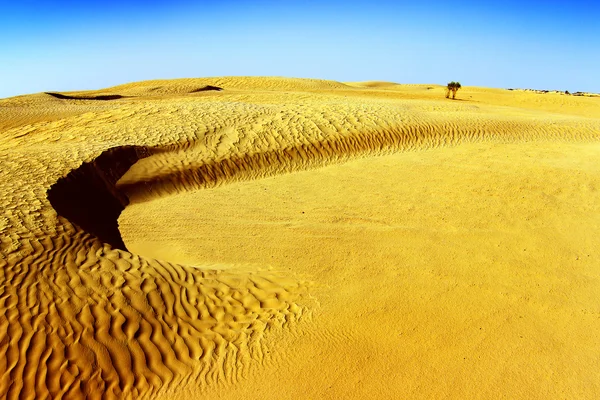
452, 87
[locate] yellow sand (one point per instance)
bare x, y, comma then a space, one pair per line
296, 238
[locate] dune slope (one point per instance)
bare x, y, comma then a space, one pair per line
285, 230
463, 272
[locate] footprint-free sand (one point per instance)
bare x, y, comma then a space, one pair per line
292, 238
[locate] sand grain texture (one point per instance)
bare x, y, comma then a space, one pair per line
289, 238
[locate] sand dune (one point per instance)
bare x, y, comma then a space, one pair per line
290, 238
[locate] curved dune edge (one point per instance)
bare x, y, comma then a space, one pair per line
336, 149
90, 320
79, 318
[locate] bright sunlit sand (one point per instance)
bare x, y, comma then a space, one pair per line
275, 238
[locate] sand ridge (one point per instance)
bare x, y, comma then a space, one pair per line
82, 318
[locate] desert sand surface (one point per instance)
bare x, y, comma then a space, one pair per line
277, 238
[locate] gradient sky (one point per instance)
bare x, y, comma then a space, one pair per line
74, 45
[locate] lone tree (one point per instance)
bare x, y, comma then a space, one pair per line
452, 87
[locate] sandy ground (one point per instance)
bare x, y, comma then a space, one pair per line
288, 238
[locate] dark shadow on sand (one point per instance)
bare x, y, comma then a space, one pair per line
88, 196
101, 97
207, 88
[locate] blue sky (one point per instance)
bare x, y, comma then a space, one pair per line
75, 45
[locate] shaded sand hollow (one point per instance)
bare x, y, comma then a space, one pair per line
288, 239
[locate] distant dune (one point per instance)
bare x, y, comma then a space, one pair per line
373, 84
265, 237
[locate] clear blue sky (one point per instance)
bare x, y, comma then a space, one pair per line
66, 45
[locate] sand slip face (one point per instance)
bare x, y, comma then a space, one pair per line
279, 233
